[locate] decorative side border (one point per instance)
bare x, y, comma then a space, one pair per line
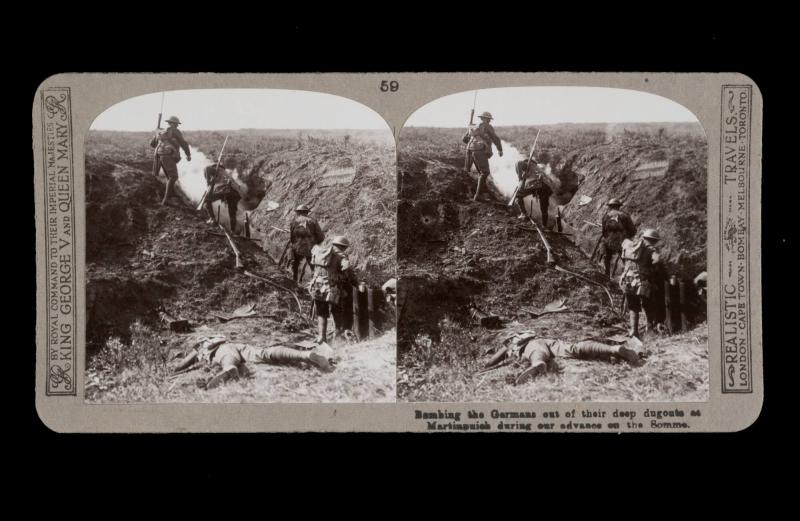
60, 242
734, 248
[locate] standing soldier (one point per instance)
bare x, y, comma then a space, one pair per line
479, 142
332, 277
304, 233
221, 189
617, 226
167, 144
643, 272
533, 184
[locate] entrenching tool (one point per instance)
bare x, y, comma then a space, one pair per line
211, 186
158, 127
527, 169
550, 258
239, 265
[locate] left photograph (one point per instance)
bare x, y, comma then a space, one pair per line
240, 247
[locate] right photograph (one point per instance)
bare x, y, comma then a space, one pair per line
552, 247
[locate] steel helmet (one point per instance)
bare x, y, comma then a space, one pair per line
652, 234
341, 240
302, 208
486, 114
614, 202
174, 119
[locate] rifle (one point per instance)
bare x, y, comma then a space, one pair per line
211, 186
527, 169
467, 162
156, 166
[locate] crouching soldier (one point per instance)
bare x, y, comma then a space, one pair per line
231, 359
532, 183
617, 226
537, 352
333, 277
479, 140
220, 188
643, 273
304, 234
168, 143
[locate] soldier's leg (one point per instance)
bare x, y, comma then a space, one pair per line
544, 206
607, 254
634, 308
209, 205
233, 208
284, 355
537, 353
171, 171
323, 311
229, 357
481, 161
589, 349
295, 266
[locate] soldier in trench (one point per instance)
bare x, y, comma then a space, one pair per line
479, 140
533, 184
229, 359
168, 143
333, 277
221, 189
617, 226
524, 346
642, 277
304, 234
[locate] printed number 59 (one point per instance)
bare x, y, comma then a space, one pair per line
389, 86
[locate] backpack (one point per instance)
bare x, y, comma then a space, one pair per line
630, 281
322, 257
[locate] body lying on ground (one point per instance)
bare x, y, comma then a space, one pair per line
524, 346
231, 358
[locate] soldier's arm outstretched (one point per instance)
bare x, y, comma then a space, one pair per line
496, 140
182, 142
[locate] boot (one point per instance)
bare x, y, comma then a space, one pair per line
168, 192
221, 378
322, 330
479, 190
212, 219
634, 325
628, 354
318, 360
287, 354
533, 371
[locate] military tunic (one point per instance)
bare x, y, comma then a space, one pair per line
167, 143
533, 184
479, 142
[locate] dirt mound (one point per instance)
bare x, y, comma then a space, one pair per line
454, 253
351, 188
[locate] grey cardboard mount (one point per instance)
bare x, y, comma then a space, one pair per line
728, 105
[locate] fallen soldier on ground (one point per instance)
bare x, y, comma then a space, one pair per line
231, 359
538, 351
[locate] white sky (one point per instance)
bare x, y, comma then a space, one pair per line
545, 105
233, 109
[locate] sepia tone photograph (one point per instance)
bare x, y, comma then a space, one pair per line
240, 247
552, 247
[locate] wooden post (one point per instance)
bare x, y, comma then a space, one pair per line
371, 311
668, 306
247, 224
682, 296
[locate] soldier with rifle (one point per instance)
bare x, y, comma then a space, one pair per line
304, 234
168, 144
333, 277
479, 140
617, 226
641, 279
524, 346
220, 188
230, 359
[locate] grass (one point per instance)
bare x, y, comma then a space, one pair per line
140, 372
674, 368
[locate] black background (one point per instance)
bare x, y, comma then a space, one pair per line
499, 38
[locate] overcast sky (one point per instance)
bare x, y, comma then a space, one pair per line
233, 109
545, 105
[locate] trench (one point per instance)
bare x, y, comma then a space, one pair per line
192, 183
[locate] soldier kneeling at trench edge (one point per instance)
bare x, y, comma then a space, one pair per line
231, 359
221, 190
538, 351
